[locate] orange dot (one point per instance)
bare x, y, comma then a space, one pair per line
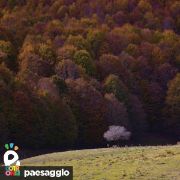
16, 148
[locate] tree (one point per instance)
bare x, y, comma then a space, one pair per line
83, 58
67, 69
137, 115
119, 38
78, 41
109, 64
47, 53
165, 73
4, 130
89, 107
116, 133
114, 85
175, 8
60, 83
116, 112
36, 65
95, 39
66, 52
22, 123
168, 23
47, 86
57, 123
144, 6
7, 54
54, 28
120, 18
172, 110
152, 96
132, 50
47, 121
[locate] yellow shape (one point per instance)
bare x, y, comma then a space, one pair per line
16, 148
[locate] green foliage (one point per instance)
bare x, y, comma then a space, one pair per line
95, 39
12, 3
46, 52
78, 41
54, 28
83, 58
7, 53
132, 50
114, 85
6, 47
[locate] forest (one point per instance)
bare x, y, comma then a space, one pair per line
70, 69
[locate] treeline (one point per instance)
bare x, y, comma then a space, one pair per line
69, 69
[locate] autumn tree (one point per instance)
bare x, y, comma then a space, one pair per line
89, 106
173, 105
116, 112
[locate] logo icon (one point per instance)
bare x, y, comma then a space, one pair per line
11, 160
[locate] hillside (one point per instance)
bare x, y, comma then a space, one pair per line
79, 73
136, 163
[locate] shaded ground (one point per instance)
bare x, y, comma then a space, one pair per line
146, 139
146, 163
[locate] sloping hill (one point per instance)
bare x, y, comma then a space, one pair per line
146, 163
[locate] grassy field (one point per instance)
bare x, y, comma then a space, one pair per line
137, 163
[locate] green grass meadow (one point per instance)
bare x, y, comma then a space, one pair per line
136, 163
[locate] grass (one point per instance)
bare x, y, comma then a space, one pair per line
136, 163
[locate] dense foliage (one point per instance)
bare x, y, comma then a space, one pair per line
69, 69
